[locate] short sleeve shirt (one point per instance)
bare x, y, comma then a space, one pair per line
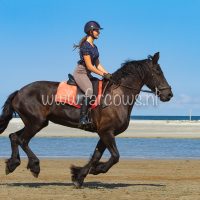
88, 49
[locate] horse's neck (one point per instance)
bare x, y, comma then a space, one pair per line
134, 85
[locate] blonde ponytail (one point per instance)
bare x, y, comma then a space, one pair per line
80, 43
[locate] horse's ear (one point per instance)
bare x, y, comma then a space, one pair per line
156, 58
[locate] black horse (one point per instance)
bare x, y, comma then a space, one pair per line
107, 120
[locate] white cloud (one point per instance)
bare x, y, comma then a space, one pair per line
183, 99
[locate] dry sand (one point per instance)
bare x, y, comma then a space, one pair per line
129, 179
137, 128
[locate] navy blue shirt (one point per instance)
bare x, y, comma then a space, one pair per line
88, 49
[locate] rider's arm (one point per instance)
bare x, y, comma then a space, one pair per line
90, 66
100, 67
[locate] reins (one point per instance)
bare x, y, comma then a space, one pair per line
126, 86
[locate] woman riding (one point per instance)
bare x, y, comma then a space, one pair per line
89, 62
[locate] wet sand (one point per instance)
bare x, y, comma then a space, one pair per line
136, 129
129, 179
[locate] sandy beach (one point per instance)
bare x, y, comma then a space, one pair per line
129, 179
136, 129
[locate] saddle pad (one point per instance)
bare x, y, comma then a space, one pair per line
67, 94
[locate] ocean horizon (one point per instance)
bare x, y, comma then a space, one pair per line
164, 117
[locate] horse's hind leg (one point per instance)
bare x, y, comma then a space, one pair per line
14, 161
24, 139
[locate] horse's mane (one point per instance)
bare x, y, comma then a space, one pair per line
133, 67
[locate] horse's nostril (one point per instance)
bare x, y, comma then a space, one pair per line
158, 93
170, 95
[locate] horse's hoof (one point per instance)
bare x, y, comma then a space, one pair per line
77, 184
35, 174
76, 180
11, 165
7, 171
34, 168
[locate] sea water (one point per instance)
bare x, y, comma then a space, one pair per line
130, 148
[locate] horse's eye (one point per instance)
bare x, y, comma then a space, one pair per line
158, 69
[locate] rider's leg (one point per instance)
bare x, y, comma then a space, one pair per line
85, 85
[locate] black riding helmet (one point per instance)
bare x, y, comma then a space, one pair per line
91, 25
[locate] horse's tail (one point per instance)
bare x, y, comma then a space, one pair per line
7, 112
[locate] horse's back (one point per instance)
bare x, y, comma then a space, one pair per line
33, 94
40, 85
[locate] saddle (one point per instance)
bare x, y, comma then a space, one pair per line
68, 92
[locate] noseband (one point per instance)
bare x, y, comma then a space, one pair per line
164, 88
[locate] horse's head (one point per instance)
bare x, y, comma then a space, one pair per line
156, 79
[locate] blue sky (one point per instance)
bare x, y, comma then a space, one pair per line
36, 39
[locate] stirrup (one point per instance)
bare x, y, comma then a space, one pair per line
84, 120
84, 123
84, 126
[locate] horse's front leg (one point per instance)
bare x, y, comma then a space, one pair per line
79, 173
103, 167
94, 167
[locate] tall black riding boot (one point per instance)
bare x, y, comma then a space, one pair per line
84, 120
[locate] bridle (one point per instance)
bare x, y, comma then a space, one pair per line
159, 88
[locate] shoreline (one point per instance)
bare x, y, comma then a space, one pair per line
86, 158
136, 129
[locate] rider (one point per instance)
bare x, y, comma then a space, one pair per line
89, 62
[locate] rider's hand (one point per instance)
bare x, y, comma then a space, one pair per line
107, 76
